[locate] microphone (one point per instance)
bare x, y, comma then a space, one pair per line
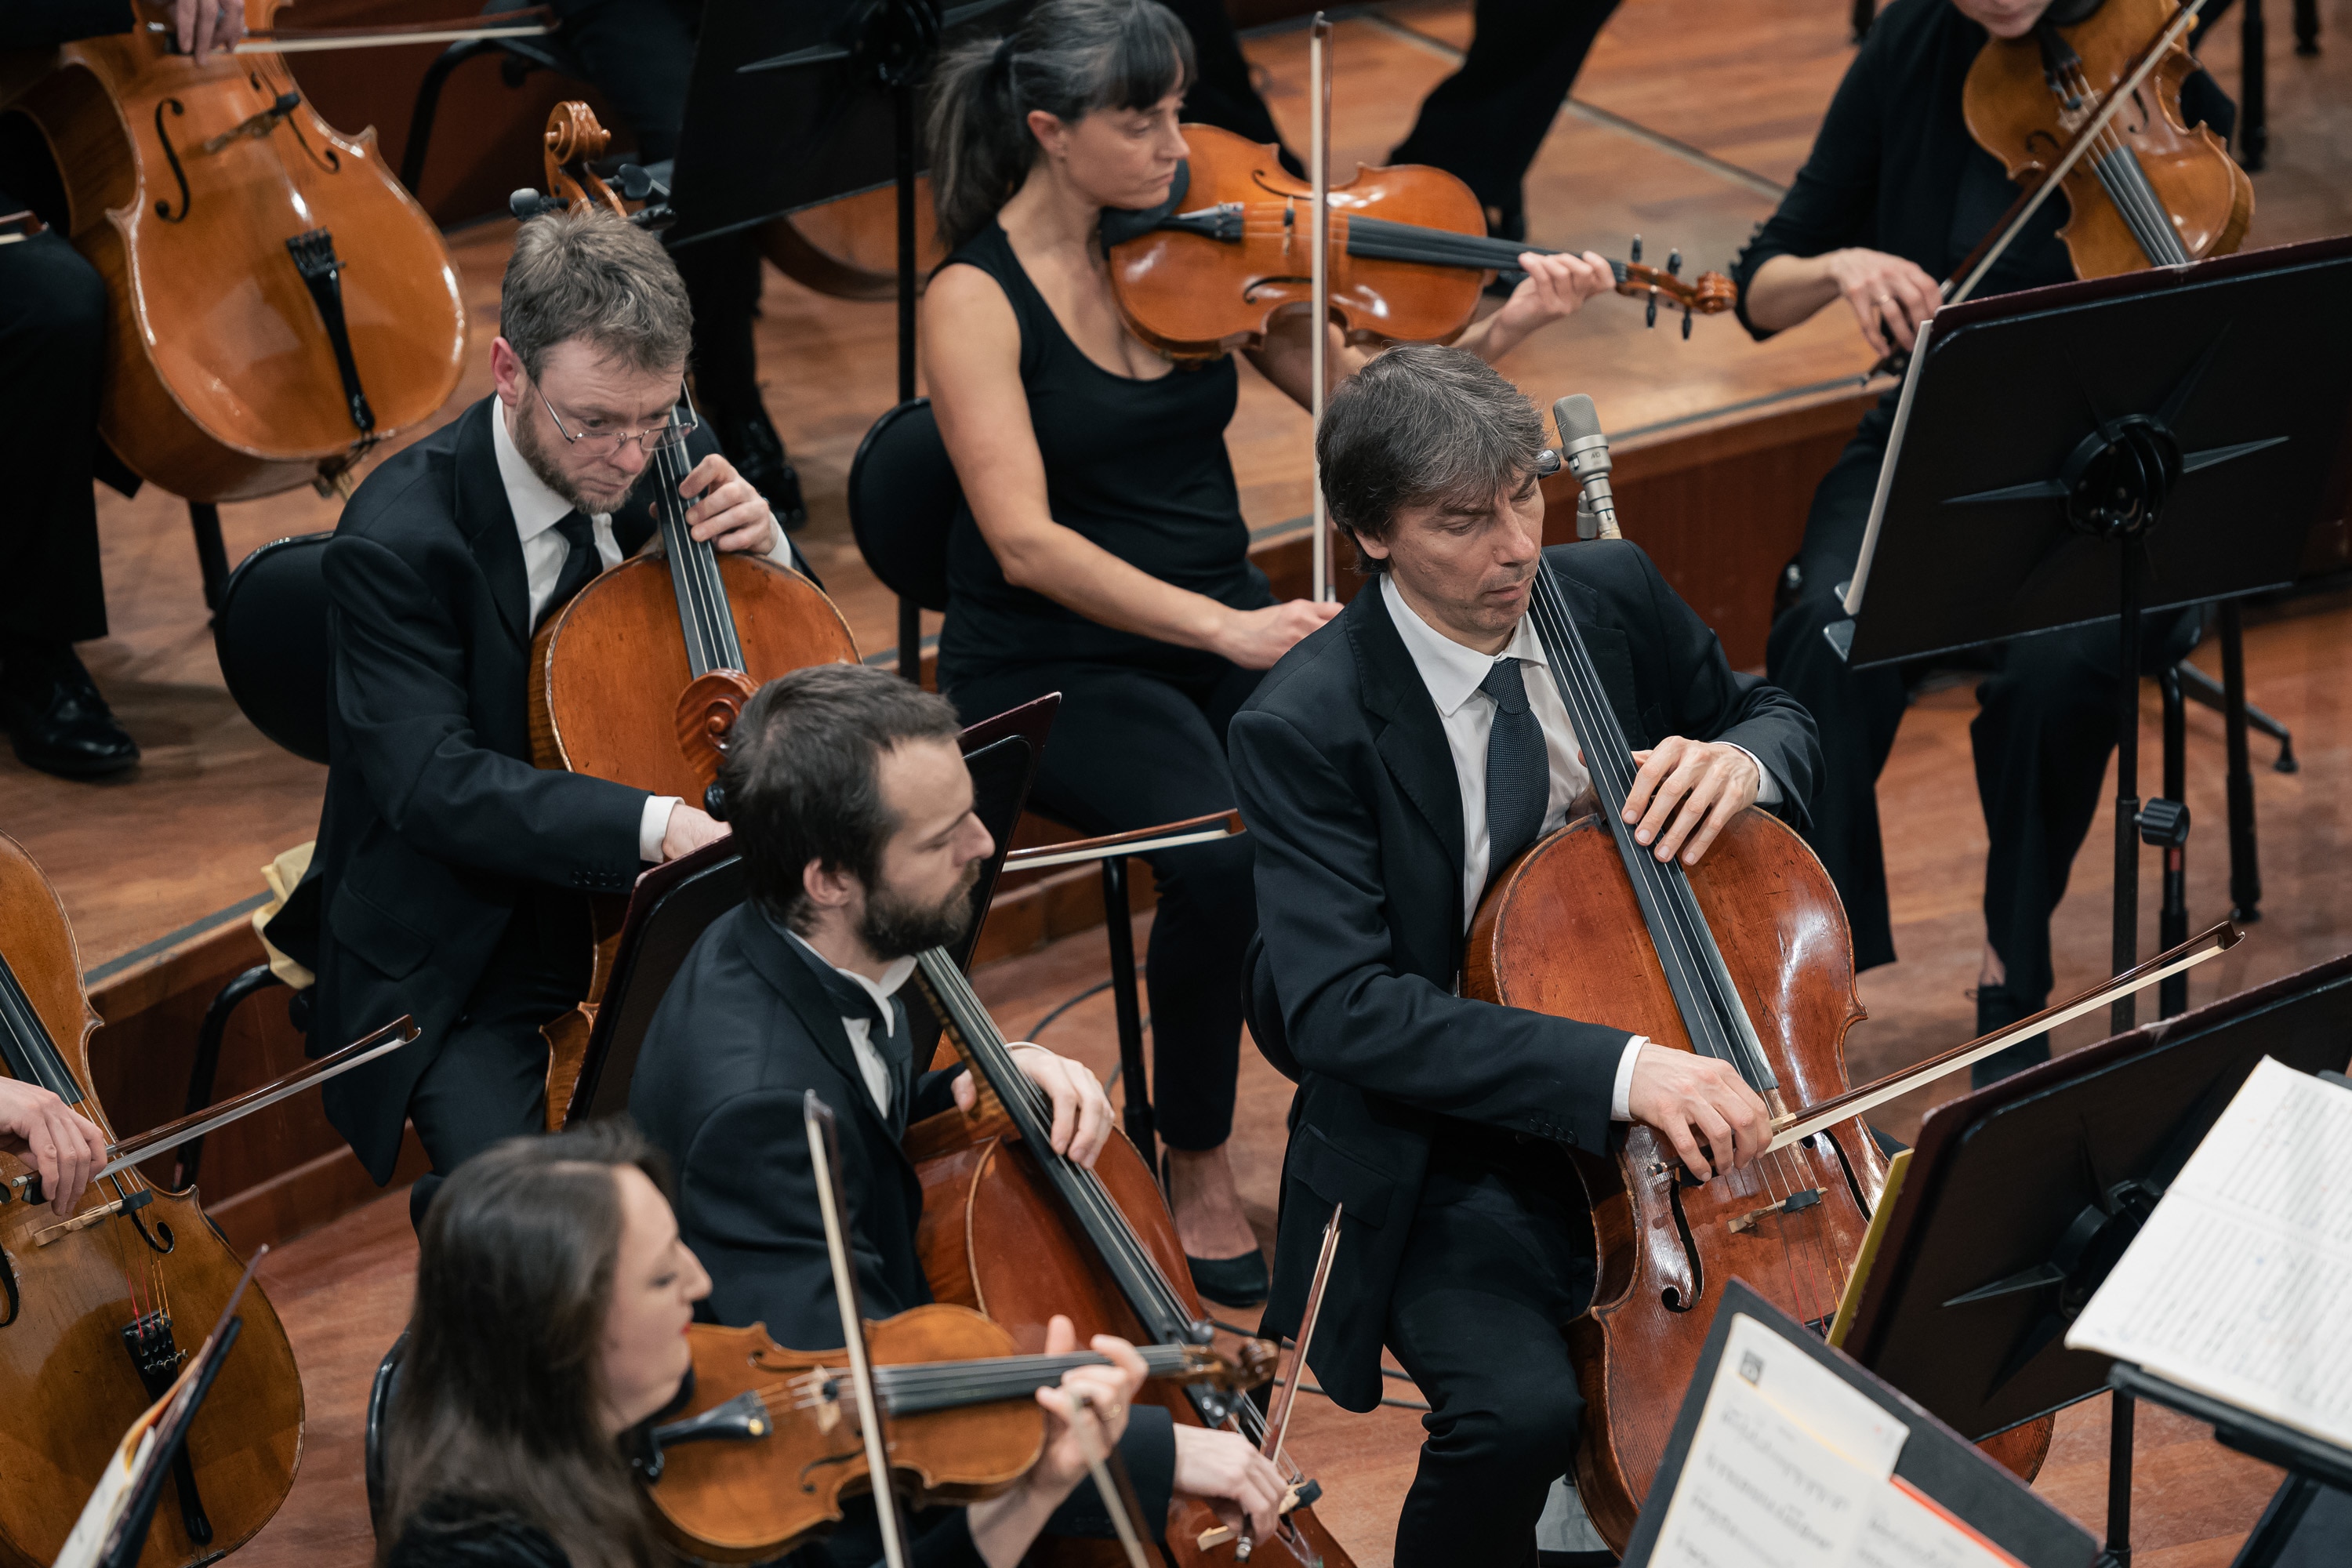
1585, 451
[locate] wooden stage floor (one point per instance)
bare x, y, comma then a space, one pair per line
1687, 120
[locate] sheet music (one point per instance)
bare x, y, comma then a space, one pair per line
2237, 1285
1792, 1467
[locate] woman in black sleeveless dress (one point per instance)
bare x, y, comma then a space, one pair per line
1101, 551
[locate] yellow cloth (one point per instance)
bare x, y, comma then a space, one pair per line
283, 875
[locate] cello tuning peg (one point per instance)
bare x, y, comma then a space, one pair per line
1650, 317
1674, 263
1687, 315
1634, 254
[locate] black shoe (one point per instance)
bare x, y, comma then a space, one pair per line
53, 712
1240, 1282
1997, 1009
752, 444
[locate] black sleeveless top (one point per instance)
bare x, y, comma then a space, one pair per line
1139, 468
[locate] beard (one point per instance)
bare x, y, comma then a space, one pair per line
896, 927
531, 443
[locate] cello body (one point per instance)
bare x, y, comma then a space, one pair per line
69, 1385
231, 374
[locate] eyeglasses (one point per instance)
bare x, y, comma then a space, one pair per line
605, 443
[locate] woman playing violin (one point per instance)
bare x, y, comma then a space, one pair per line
553, 1299
1102, 551
1893, 196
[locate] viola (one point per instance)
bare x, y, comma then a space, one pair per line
639, 678
277, 304
1747, 958
1200, 275
953, 1391
94, 1308
1012, 1229
2146, 190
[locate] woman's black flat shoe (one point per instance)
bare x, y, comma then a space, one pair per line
1240, 1282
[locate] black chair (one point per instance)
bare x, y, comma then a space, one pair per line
379, 1407
903, 498
520, 58
269, 633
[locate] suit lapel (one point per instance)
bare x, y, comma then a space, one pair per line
1412, 740
787, 971
1613, 653
488, 522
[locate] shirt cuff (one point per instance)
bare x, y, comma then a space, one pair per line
779, 549
653, 826
1768, 788
1621, 1097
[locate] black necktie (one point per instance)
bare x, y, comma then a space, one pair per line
581, 562
1519, 774
886, 1030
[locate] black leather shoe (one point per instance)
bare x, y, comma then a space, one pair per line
752, 444
1240, 1282
55, 716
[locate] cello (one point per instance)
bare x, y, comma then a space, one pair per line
639, 678
1012, 1229
93, 1306
277, 304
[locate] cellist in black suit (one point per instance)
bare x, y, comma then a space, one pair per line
1389, 767
451, 874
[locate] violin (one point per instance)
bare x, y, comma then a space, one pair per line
277, 304
1746, 957
93, 1306
1200, 275
2144, 189
1016, 1231
762, 1454
639, 678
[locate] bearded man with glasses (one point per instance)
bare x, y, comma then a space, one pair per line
451, 877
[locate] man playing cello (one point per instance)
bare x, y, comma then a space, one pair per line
1391, 765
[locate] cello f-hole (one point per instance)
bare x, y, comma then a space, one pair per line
1672, 1296
163, 208
1852, 1180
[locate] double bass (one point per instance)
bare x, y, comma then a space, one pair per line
639, 678
278, 305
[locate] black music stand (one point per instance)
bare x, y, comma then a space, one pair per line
2021, 1197
674, 903
792, 106
1935, 1462
2097, 450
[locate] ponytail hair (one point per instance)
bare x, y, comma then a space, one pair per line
1068, 57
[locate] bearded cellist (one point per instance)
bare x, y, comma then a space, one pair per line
1390, 767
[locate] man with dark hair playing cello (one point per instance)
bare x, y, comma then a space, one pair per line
1390, 767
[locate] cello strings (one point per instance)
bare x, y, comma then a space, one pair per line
1610, 758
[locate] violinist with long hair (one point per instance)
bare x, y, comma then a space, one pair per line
553, 1299
1102, 551
1893, 196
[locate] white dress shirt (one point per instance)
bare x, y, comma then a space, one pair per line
1453, 674
870, 1065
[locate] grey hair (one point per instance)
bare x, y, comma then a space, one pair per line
1418, 426
593, 275
1068, 57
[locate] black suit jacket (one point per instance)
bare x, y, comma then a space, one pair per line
744, 1030
1344, 776
436, 826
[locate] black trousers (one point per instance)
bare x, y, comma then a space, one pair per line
489, 1082
2045, 727
52, 357
1130, 749
1487, 121
640, 53
1498, 1261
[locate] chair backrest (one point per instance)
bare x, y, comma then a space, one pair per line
270, 632
378, 1409
903, 496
